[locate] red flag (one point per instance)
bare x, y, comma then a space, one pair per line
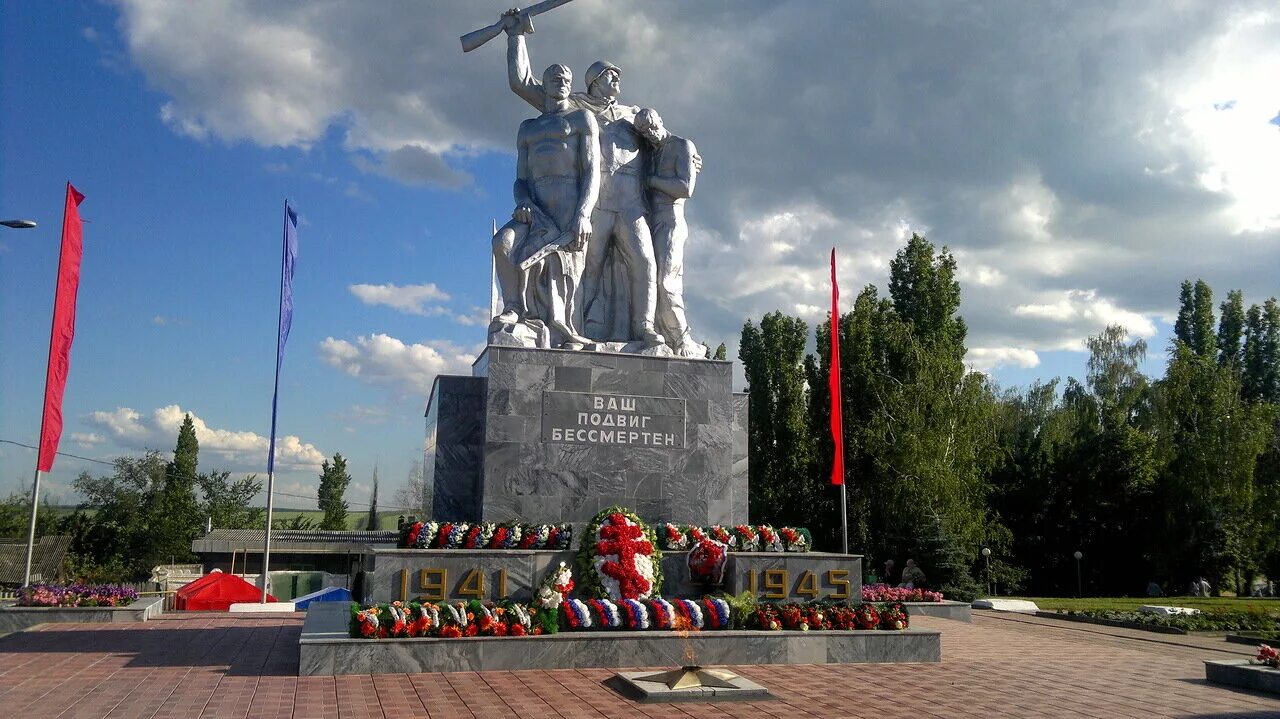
64, 330
837, 421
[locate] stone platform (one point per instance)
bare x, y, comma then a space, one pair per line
460, 574
16, 619
326, 649
548, 436
955, 611
1240, 673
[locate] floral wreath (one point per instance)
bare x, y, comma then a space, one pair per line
620, 557
707, 561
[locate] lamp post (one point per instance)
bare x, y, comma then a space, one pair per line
1078, 555
19, 224
986, 554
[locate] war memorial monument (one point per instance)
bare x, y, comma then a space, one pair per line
592, 469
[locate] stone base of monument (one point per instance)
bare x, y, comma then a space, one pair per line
956, 611
688, 684
462, 574
1240, 673
326, 649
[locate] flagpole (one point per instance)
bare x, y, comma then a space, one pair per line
31, 528
61, 334
281, 331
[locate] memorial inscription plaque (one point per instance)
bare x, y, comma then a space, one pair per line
610, 419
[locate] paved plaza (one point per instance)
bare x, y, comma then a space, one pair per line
216, 665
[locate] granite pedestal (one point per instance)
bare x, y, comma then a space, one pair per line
16, 619
493, 574
545, 436
326, 648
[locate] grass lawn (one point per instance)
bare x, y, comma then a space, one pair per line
1132, 603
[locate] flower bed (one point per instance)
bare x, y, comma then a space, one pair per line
1204, 622
738, 538
510, 619
484, 535
887, 593
76, 595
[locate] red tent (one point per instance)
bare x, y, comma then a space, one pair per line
217, 591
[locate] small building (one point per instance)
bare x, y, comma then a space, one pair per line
302, 560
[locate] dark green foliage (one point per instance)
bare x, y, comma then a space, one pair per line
371, 521
781, 447
176, 517
226, 503
1231, 331
1261, 354
721, 352
333, 485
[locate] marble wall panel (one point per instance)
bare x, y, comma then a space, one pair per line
572, 379
625, 381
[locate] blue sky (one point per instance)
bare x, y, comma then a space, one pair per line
1077, 178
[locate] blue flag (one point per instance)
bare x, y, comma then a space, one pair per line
290, 254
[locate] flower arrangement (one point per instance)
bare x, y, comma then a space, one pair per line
76, 595
722, 535
866, 616
549, 597
485, 535
795, 540
1268, 656
894, 616
478, 536
620, 556
739, 538
887, 593
748, 539
707, 561
674, 537
475, 618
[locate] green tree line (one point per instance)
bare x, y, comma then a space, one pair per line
1151, 479
148, 511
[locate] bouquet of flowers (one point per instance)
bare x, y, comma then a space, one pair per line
795, 540
769, 539
720, 534
505, 536
696, 535
716, 613
688, 615
635, 614
408, 535
748, 538
478, 536
366, 622
894, 616
451, 535
535, 537
1268, 656
517, 618
674, 538
867, 616
793, 617
577, 615
842, 616
559, 536
765, 617
707, 562
661, 613
604, 613
886, 593
816, 618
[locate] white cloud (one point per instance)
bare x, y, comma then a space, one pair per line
985, 359
381, 359
230, 449
411, 299
1044, 152
87, 440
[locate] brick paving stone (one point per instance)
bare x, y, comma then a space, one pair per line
220, 665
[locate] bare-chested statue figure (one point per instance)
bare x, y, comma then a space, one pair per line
618, 220
541, 253
673, 172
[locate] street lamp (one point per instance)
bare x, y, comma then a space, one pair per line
986, 554
19, 224
1078, 555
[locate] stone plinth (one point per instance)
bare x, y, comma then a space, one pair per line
546, 436
16, 619
459, 574
956, 611
327, 649
1240, 673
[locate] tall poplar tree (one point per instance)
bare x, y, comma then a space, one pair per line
333, 485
